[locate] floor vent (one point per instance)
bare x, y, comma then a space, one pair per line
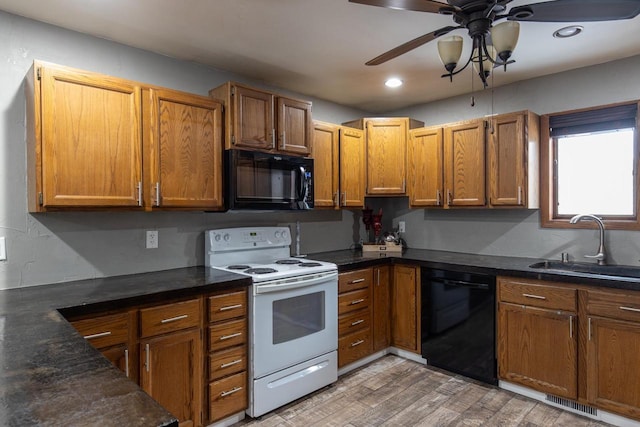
572, 405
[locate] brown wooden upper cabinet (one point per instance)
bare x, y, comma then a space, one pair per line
425, 152
84, 139
339, 166
259, 120
513, 169
386, 153
183, 150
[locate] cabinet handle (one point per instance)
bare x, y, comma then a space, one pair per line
519, 195
357, 343
589, 331
357, 301
635, 310
273, 138
98, 335
126, 362
157, 193
284, 140
336, 199
344, 198
356, 281
230, 307
534, 296
228, 337
139, 189
174, 319
378, 278
357, 322
449, 197
438, 201
146, 357
226, 365
570, 326
233, 390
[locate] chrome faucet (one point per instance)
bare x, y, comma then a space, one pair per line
601, 256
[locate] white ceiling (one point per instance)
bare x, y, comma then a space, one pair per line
319, 47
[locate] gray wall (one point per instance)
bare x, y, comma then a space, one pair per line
54, 247
514, 232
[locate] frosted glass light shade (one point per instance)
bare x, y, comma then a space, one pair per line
487, 65
505, 37
450, 49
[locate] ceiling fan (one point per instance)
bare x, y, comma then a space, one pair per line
494, 44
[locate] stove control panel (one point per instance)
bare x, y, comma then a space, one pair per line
228, 239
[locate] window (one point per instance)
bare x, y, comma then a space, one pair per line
589, 163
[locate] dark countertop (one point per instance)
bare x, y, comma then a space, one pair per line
53, 377
472, 263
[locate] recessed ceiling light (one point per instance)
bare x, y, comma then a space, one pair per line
393, 82
566, 32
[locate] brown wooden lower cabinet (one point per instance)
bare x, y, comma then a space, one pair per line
405, 308
381, 325
354, 316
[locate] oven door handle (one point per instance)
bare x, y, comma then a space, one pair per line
287, 284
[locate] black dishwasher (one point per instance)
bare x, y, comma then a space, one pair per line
458, 322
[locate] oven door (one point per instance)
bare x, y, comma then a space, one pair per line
293, 320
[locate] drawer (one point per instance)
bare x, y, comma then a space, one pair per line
105, 331
614, 305
354, 300
354, 321
532, 293
227, 306
354, 347
169, 318
227, 362
352, 280
227, 396
227, 334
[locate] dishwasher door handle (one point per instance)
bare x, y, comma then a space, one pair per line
460, 283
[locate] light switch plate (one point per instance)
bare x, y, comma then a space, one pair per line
3, 249
401, 227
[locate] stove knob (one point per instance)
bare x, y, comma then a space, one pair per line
277, 235
217, 237
226, 237
284, 234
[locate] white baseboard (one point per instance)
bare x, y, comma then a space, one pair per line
365, 360
229, 421
407, 355
604, 416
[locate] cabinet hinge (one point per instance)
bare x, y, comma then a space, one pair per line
233, 139
233, 91
40, 199
39, 73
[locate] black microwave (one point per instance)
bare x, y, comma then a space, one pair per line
267, 181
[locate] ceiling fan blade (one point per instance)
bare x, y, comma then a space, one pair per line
576, 11
410, 45
415, 5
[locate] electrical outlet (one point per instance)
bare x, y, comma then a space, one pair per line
3, 249
401, 227
152, 239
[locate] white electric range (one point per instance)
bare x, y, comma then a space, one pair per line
293, 327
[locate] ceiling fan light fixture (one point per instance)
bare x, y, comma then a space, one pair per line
566, 32
393, 82
449, 50
487, 63
505, 38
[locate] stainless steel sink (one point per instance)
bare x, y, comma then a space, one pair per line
580, 267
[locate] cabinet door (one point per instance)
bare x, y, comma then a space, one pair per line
184, 151
91, 140
425, 167
253, 123
171, 373
352, 168
386, 155
507, 179
325, 165
381, 308
538, 348
464, 164
294, 126
120, 357
613, 365
405, 315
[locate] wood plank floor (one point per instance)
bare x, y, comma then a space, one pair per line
393, 391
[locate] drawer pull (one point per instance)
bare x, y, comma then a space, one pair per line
357, 322
230, 307
635, 310
226, 365
533, 296
233, 390
98, 335
174, 319
356, 343
356, 281
357, 301
570, 326
228, 337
